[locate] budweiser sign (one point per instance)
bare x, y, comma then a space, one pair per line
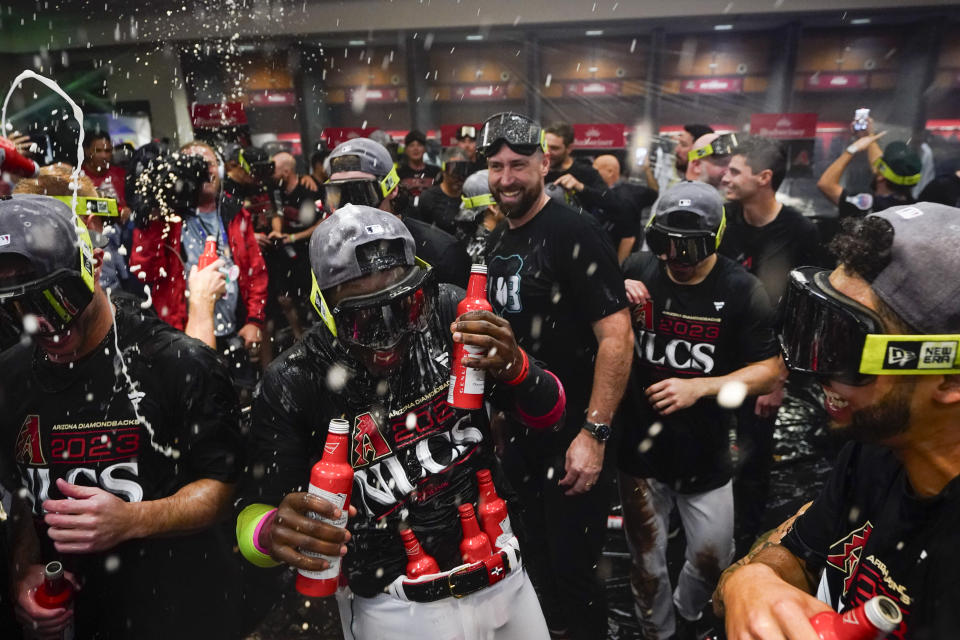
481, 92
371, 94
712, 85
273, 99
219, 114
599, 136
784, 126
591, 89
836, 81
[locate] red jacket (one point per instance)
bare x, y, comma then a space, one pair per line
157, 260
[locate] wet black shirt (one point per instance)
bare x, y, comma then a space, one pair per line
943, 189
417, 180
872, 535
441, 251
707, 329
298, 208
770, 252
437, 208
552, 279
81, 423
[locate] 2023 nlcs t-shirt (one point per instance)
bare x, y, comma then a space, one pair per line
690, 331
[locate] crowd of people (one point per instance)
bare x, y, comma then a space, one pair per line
161, 415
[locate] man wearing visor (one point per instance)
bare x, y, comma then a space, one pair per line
881, 333
380, 359
125, 440
554, 275
709, 158
701, 322
440, 204
362, 172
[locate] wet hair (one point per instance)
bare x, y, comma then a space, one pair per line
697, 130
89, 137
864, 247
762, 154
562, 130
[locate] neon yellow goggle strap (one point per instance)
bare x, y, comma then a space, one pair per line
243, 163
702, 152
543, 140
885, 354
887, 172
103, 207
86, 253
321, 307
482, 200
390, 182
720, 229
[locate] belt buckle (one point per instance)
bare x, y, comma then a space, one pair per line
450, 581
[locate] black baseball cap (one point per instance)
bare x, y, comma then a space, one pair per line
900, 164
415, 136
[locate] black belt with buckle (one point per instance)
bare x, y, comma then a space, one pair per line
461, 582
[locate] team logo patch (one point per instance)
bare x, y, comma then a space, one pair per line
684, 202
29, 450
373, 228
845, 553
643, 315
719, 304
920, 355
368, 442
900, 357
4, 240
862, 201
909, 212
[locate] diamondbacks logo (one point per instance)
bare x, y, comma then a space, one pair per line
845, 553
29, 450
643, 315
920, 355
368, 443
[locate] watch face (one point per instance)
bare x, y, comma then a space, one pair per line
602, 432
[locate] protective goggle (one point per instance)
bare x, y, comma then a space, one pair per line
467, 131
104, 207
520, 133
337, 193
457, 168
825, 333
482, 200
380, 320
260, 170
887, 172
721, 147
54, 301
685, 246
352, 162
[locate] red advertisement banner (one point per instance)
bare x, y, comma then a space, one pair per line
596, 88
273, 99
599, 136
480, 92
835, 81
219, 114
784, 126
376, 94
712, 85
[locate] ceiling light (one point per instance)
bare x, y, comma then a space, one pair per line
860, 21
722, 27
357, 43
475, 36
595, 32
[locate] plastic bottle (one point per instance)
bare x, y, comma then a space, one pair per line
419, 562
56, 592
492, 510
466, 383
872, 620
209, 255
475, 545
331, 479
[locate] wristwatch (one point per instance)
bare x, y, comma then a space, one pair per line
600, 431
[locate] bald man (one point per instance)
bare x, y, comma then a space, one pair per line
709, 169
634, 198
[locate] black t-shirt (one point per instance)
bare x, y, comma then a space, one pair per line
82, 423
415, 474
552, 278
770, 252
441, 251
417, 180
707, 329
298, 208
437, 208
634, 198
872, 535
943, 189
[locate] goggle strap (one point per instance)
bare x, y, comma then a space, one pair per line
243, 163
885, 354
482, 200
702, 152
87, 206
887, 172
389, 182
320, 305
86, 253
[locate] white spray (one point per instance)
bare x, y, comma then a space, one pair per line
167, 451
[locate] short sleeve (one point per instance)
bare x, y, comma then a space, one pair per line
588, 268
756, 340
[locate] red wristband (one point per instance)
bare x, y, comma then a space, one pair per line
524, 370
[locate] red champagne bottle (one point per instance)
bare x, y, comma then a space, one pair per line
209, 255
475, 545
872, 620
492, 510
56, 592
419, 562
466, 383
331, 479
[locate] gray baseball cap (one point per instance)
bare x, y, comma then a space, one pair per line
920, 284
357, 241
697, 198
361, 154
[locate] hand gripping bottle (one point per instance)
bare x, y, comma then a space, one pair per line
332, 480
872, 620
492, 510
419, 562
209, 255
13, 161
475, 545
56, 592
466, 383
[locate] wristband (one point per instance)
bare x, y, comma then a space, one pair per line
249, 523
524, 370
852, 149
292, 238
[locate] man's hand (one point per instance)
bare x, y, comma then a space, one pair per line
308, 182
44, 624
484, 329
583, 464
636, 291
251, 335
93, 520
207, 285
761, 606
672, 395
263, 240
768, 405
279, 235
862, 143
290, 529
860, 133
569, 183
